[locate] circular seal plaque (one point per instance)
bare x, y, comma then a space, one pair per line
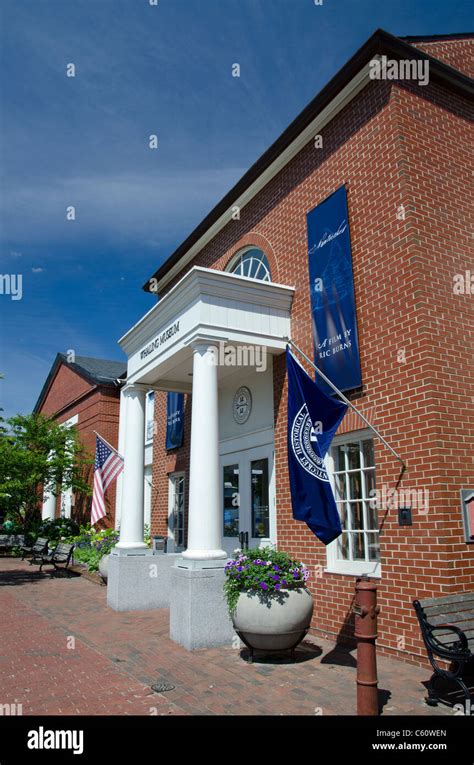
302, 439
242, 405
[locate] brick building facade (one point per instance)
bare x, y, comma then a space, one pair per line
402, 151
86, 394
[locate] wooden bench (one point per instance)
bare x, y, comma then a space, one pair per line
60, 558
447, 626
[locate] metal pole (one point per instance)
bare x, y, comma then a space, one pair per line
366, 611
346, 401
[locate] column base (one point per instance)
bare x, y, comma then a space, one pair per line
138, 582
134, 548
205, 555
198, 611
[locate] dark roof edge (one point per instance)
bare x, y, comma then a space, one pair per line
379, 42
62, 359
434, 38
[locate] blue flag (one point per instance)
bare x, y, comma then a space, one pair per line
313, 418
174, 420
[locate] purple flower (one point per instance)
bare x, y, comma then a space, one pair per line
264, 586
277, 587
276, 568
275, 578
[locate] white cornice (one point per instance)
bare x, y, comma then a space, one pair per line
207, 285
338, 103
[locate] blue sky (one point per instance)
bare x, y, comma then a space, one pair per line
83, 141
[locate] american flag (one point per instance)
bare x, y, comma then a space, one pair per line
108, 464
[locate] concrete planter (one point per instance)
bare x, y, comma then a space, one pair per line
104, 567
273, 621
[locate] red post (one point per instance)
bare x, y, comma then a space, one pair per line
366, 610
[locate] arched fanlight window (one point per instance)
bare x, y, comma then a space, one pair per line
252, 263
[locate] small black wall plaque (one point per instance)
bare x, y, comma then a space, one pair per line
404, 516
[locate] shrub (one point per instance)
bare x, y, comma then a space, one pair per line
91, 545
57, 529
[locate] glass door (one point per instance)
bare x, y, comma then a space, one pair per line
176, 532
247, 498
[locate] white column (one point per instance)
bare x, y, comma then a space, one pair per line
48, 512
205, 512
121, 446
131, 515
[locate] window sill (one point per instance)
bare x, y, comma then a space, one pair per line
353, 572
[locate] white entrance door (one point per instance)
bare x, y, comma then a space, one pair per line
248, 498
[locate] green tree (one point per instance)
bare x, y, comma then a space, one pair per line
38, 454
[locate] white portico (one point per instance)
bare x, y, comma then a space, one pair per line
175, 347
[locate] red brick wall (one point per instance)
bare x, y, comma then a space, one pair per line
97, 408
66, 388
166, 462
457, 53
391, 146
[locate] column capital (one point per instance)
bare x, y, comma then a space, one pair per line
203, 341
130, 389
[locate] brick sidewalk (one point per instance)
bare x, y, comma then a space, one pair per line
117, 656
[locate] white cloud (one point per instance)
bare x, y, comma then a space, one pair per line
144, 208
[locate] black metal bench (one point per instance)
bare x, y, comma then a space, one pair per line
60, 558
37, 549
447, 626
9, 541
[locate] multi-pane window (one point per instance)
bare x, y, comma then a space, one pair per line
352, 467
252, 263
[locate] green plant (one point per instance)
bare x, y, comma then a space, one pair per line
91, 545
37, 454
146, 535
59, 529
265, 570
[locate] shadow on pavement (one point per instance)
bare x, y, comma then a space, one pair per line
304, 652
30, 575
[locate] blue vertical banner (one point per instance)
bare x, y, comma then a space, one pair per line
174, 420
336, 347
313, 418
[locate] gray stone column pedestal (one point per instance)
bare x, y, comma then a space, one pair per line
139, 582
198, 611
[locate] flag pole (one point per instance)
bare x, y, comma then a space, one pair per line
346, 401
109, 445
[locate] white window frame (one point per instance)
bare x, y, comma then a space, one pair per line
336, 565
232, 265
173, 478
149, 410
67, 496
